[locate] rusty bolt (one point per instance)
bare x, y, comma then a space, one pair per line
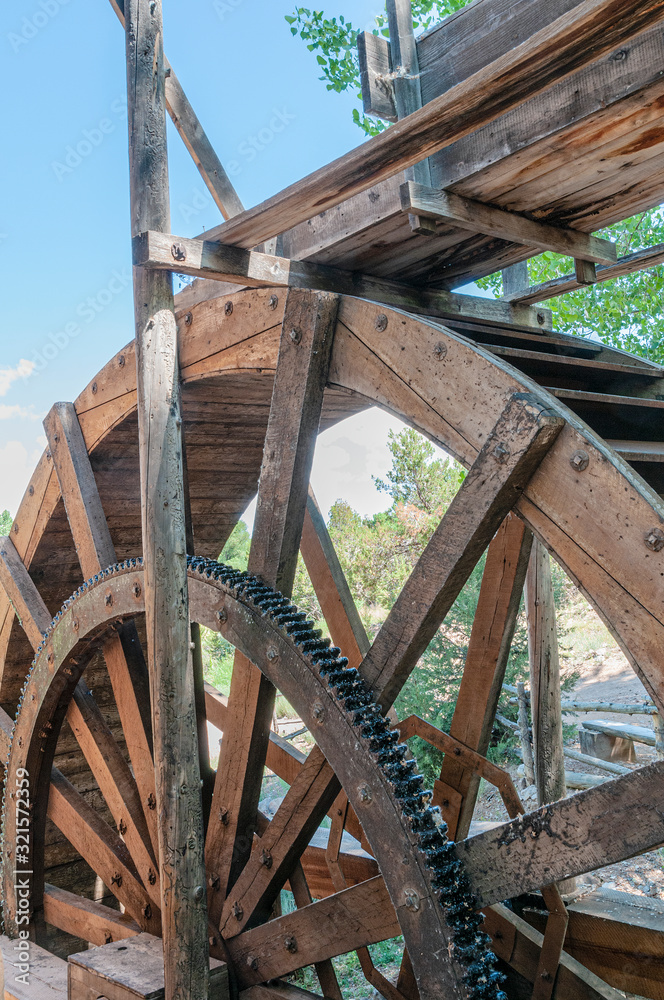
108, 938
440, 351
228, 308
152, 802
152, 878
136, 589
501, 453
238, 912
121, 361
189, 319
94, 387
75, 624
198, 893
412, 900
580, 460
318, 711
365, 793
147, 911
117, 880
252, 962
222, 615
273, 302
122, 827
457, 751
546, 976
541, 318
654, 539
272, 654
178, 251
266, 858
215, 882
290, 944
296, 335
224, 816
381, 323
108, 599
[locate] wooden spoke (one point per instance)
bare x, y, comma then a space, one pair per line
599, 827
484, 671
21, 591
324, 969
359, 916
514, 449
297, 399
103, 850
85, 918
123, 653
305, 804
116, 783
331, 586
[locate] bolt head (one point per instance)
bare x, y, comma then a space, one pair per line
252, 962
654, 539
412, 900
440, 351
365, 793
189, 319
580, 460
272, 654
296, 335
178, 252
198, 893
318, 711
381, 323
501, 453
222, 615
224, 816
266, 858
290, 944
541, 318
228, 309
273, 302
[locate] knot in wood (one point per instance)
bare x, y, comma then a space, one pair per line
654, 539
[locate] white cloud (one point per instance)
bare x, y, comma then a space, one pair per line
9, 412
9, 375
17, 465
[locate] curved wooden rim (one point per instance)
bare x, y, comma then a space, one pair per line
595, 522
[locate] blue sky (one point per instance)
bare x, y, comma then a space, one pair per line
64, 211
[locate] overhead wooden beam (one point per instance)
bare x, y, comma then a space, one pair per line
177, 768
26, 600
203, 259
579, 37
602, 826
513, 451
378, 97
641, 260
479, 218
194, 137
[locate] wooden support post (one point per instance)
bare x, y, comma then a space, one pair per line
658, 724
177, 771
524, 733
407, 91
515, 278
585, 272
544, 678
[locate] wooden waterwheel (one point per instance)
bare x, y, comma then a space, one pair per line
261, 370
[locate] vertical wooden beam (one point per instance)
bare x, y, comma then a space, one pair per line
486, 660
297, 399
515, 278
407, 90
544, 678
177, 770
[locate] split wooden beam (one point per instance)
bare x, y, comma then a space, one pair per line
480, 218
252, 268
297, 399
512, 452
486, 660
194, 137
572, 41
174, 724
641, 260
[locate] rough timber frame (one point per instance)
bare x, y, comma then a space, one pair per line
321, 353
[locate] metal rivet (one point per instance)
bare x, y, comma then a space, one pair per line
655, 539
198, 893
228, 308
412, 900
178, 251
381, 323
296, 335
580, 460
501, 453
318, 711
365, 793
238, 912
274, 301
290, 944
440, 351
266, 858
222, 615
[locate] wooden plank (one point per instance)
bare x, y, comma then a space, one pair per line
546, 711
177, 769
306, 340
26, 600
486, 660
346, 921
102, 848
479, 218
491, 488
557, 50
515, 278
641, 260
194, 137
378, 97
518, 944
599, 827
133, 970
639, 734
277, 991
206, 259
47, 978
85, 918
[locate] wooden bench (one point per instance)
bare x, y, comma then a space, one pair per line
613, 740
47, 978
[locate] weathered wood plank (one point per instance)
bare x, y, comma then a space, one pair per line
599, 827
526, 432
488, 651
251, 268
47, 978
479, 218
177, 769
378, 96
556, 51
297, 398
21, 591
85, 918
